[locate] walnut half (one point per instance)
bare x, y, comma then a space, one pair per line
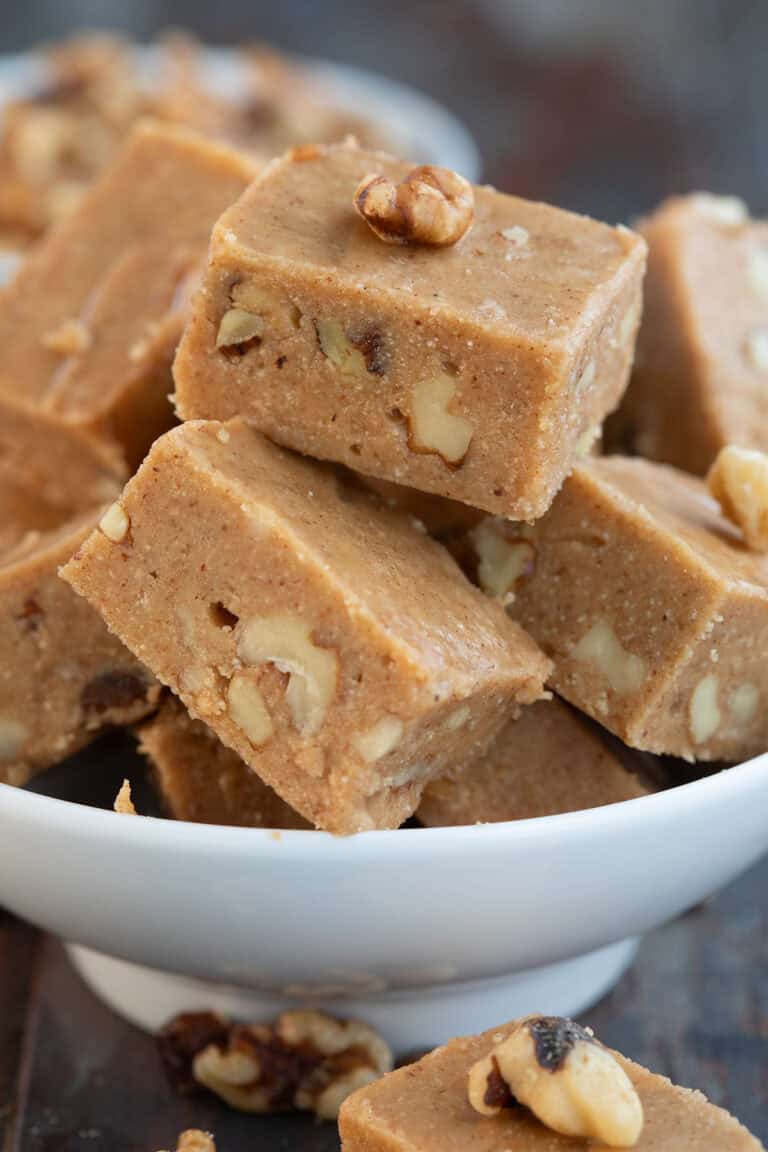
303, 1061
430, 206
570, 1082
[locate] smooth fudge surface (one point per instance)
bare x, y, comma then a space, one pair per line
328, 640
63, 676
653, 610
473, 371
90, 323
201, 780
546, 761
701, 374
49, 471
423, 1107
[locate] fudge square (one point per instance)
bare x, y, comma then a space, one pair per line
701, 377
201, 780
326, 639
425, 1107
653, 609
63, 676
473, 371
550, 759
90, 324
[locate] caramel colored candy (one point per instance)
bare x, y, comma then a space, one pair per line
472, 371
548, 760
90, 324
702, 357
201, 780
49, 471
63, 676
425, 1107
653, 609
324, 638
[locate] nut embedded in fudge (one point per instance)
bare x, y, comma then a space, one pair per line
200, 779
326, 639
702, 354
473, 370
425, 1107
63, 676
653, 609
90, 324
548, 760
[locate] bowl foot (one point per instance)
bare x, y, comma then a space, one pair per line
409, 1019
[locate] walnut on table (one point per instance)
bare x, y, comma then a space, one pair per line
304, 1061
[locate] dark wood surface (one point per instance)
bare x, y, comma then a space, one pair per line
76, 1078
605, 118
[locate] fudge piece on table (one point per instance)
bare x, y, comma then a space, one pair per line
63, 677
325, 638
550, 759
701, 376
473, 371
653, 609
202, 780
523, 1086
90, 323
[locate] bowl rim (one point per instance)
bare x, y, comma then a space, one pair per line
158, 833
436, 127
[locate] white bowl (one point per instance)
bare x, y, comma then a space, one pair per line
419, 127
425, 932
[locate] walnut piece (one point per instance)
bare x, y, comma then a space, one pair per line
432, 427
743, 702
502, 560
117, 696
12, 737
704, 709
379, 740
124, 800
430, 206
193, 1140
303, 1061
115, 523
355, 355
570, 1082
286, 642
239, 330
248, 710
601, 647
738, 480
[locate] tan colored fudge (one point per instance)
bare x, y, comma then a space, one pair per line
63, 676
473, 371
653, 609
701, 376
548, 760
201, 780
56, 465
326, 639
425, 1107
91, 321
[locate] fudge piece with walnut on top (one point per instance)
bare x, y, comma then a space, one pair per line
473, 360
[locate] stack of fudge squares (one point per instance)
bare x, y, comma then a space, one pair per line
370, 546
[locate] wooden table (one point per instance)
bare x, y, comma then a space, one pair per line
606, 125
75, 1077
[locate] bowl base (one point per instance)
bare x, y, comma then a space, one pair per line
410, 1019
